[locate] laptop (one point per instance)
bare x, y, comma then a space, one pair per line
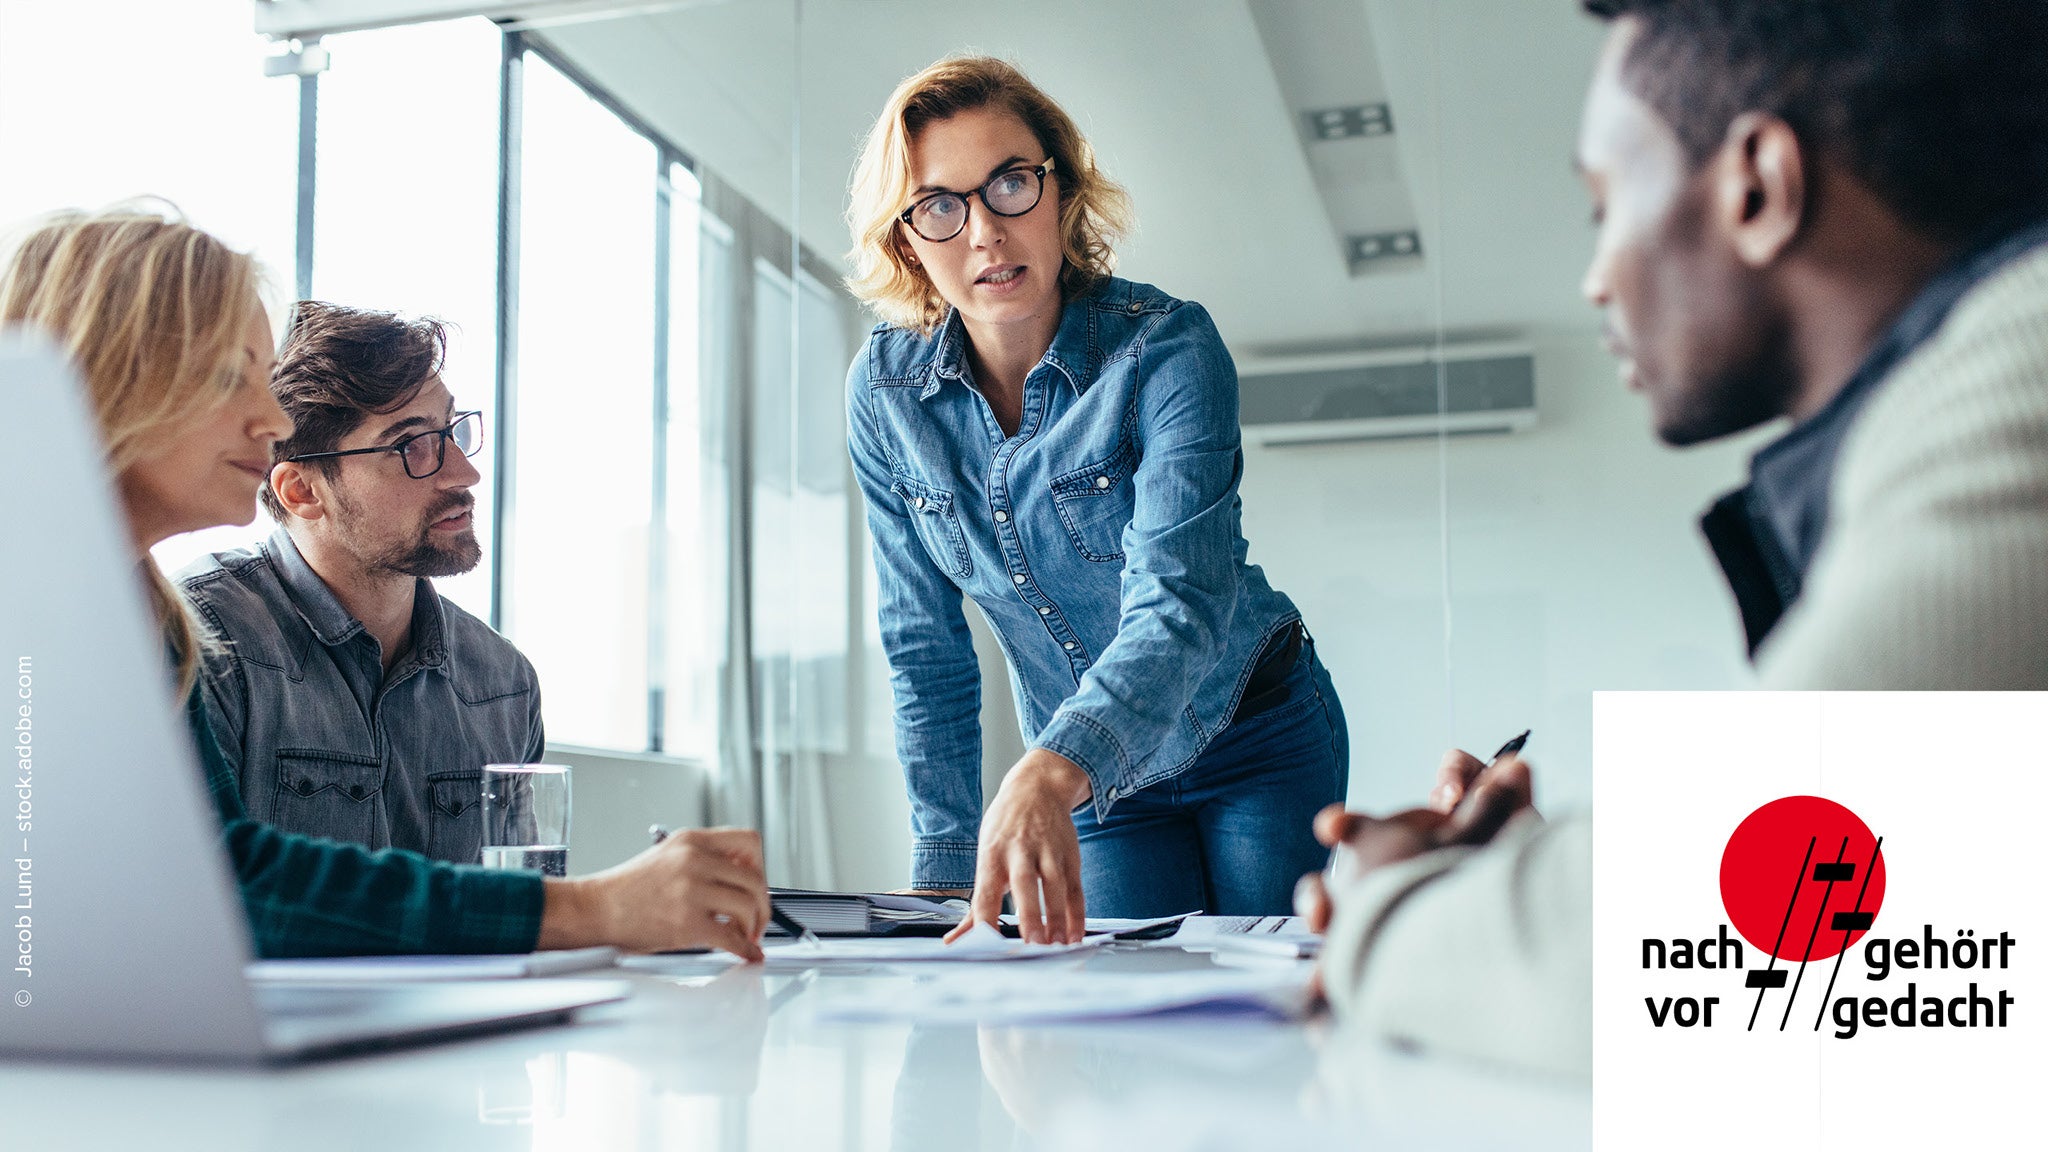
125, 934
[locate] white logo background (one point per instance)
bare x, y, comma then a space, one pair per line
1954, 784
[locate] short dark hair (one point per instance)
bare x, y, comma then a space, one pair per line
340, 366
1939, 106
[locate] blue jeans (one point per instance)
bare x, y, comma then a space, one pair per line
1230, 835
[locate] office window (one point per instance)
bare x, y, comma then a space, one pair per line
179, 108
695, 601
406, 212
576, 593
800, 514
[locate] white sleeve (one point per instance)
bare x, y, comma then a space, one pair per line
1476, 952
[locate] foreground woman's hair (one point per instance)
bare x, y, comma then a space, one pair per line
151, 312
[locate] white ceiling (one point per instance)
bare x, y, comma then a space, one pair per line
1182, 105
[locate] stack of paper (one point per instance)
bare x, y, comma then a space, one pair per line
980, 945
1005, 996
864, 913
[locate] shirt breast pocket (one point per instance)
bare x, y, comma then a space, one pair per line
332, 794
455, 816
1096, 503
931, 509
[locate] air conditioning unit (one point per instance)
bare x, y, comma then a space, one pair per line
1389, 394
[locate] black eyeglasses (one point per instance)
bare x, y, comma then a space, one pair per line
1012, 192
423, 452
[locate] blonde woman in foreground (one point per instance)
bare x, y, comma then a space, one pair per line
165, 325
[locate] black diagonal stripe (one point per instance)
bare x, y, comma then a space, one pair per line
1865, 918
1798, 878
1825, 894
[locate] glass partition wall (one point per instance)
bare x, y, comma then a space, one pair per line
631, 217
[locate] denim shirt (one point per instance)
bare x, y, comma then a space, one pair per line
323, 741
1102, 542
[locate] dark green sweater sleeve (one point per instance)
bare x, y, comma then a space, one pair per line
307, 896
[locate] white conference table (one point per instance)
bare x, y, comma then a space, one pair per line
706, 1055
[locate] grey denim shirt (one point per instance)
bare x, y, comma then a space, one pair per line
322, 741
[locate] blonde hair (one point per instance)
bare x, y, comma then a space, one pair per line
1094, 210
151, 311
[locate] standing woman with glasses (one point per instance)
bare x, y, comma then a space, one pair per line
1063, 446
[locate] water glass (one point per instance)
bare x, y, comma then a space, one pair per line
526, 818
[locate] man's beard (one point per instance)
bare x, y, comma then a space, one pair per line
421, 555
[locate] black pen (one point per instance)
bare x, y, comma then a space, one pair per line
1511, 747
783, 920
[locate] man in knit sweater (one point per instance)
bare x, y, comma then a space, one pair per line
1832, 213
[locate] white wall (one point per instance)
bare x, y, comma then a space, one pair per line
1576, 565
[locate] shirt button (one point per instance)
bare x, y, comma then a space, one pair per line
1002, 517
917, 503
1018, 578
1102, 481
1069, 645
1137, 306
355, 791
1114, 792
1045, 611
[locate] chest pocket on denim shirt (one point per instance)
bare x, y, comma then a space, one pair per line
1096, 502
331, 794
456, 824
931, 509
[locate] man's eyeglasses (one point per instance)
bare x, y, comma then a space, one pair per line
1012, 192
423, 452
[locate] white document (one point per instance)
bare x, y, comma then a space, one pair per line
1199, 932
890, 901
1009, 996
1282, 936
378, 969
981, 944
1117, 925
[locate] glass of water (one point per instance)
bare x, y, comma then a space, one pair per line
526, 817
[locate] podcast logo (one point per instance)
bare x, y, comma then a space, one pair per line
1803, 881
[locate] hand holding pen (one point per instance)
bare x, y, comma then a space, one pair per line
1473, 800
783, 920
1460, 770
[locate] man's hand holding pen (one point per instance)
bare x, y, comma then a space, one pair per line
1472, 801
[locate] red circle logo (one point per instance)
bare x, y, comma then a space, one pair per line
1802, 878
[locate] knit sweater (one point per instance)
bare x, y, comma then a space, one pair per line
1933, 574
1934, 571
